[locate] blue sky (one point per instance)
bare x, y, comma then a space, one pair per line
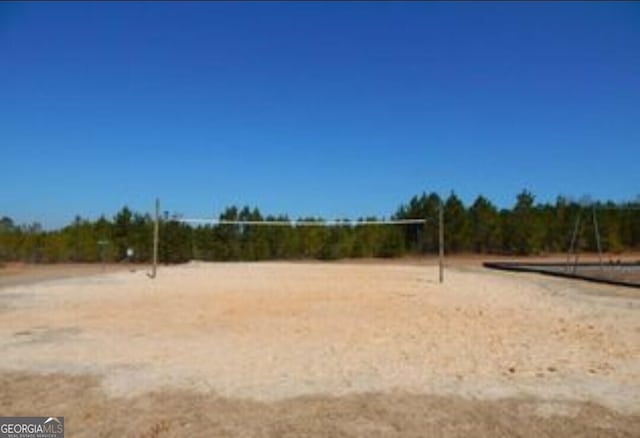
331, 109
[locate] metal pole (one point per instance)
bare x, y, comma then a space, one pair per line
577, 249
597, 232
573, 241
156, 232
441, 241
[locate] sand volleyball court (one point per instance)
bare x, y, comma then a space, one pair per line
339, 349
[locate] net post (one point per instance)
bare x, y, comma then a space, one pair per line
156, 227
441, 242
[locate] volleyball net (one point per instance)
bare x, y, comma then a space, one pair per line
251, 239
300, 223
273, 238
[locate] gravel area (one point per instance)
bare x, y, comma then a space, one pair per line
275, 332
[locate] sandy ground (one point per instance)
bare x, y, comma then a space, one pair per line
13, 274
322, 349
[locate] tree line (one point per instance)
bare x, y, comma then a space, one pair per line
526, 228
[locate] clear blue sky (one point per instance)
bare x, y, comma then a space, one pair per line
325, 109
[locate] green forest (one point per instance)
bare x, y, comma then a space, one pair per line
527, 228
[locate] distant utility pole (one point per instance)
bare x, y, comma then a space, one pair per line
441, 241
156, 232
